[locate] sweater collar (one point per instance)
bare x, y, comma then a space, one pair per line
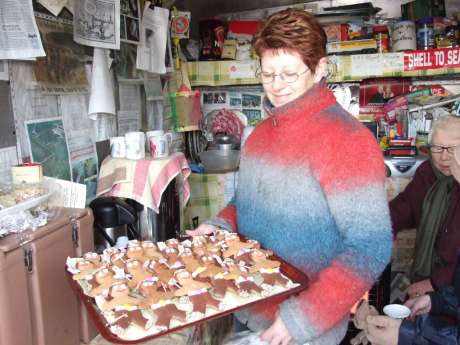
316, 98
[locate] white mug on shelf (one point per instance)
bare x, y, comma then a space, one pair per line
135, 148
117, 147
158, 142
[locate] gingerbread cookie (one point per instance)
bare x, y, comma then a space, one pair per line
153, 293
124, 318
260, 261
234, 245
138, 273
220, 287
274, 278
119, 294
166, 313
86, 268
105, 279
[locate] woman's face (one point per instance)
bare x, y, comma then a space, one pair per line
442, 160
278, 91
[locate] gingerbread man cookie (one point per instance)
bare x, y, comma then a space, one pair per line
153, 293
138, 273
234, 245
260, 261
119, 294
166, 313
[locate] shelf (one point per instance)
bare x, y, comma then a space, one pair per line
414, 63
222, 73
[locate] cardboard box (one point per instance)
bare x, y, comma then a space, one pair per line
27, 173
374, 93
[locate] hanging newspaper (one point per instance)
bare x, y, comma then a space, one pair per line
63, 69
19, 37
54, 6
97, 23
151, 51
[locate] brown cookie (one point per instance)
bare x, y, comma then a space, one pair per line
274, 279
166, 313
203, 300
221, 286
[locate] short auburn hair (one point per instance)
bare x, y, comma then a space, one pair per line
292, 30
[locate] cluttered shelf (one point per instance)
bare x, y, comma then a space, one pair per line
415, 63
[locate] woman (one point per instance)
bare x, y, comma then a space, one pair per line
310, 188
431, 204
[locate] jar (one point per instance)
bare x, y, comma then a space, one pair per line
403, 36
382, 37
425, 33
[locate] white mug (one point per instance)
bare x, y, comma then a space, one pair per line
135, 148
118, 147
158, 143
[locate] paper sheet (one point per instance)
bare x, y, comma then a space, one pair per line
101, 99
4, 70
128, 121
151, 51
8, 158
97, 23
20, 38
28, 101
130, 97
63, 69
65, 193
54, 6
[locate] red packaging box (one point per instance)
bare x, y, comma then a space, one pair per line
374, 93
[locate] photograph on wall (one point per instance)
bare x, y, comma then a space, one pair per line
48, 146
62, 70
97, 23
129, 21
254, 116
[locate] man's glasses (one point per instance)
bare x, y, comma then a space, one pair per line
440, 149
287, 77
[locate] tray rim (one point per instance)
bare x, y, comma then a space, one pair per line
287, 269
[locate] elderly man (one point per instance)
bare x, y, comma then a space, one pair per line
430, 327
431, 204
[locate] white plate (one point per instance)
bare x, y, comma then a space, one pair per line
396, 311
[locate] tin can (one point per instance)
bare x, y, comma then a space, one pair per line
425, 33
382, 37
403, 36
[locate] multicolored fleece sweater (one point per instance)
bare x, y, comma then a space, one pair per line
311, 188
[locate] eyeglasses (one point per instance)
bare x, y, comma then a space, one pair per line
440, 149
287, 77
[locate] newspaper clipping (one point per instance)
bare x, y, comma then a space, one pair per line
97, 23
19, 37
63, 68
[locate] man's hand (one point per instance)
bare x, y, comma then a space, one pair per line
420, 288
203, 229
419, 305
382, 330
277, 333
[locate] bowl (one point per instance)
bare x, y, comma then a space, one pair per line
220, 160
396, 311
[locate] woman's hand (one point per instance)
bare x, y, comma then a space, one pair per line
203, 229
277, 333
419, 305
420, 288
382, 330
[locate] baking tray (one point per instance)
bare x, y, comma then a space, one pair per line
288, 270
